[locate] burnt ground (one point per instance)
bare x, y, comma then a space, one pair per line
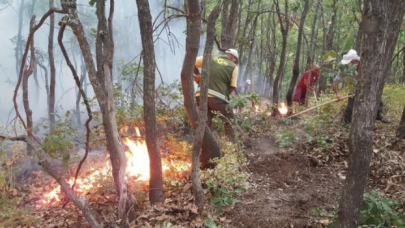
286, 186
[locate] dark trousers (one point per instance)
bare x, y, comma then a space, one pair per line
347, 116
218, 107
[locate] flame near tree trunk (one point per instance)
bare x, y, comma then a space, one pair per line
137, 169
283, 109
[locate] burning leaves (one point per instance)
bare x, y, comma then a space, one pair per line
137, 170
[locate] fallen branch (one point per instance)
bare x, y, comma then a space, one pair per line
307, 110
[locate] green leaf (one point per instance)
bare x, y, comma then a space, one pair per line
215, 200
208, 222
239, 190
219, 209
348, 44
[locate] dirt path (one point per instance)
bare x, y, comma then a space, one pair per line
285, 188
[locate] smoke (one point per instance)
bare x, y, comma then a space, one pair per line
169, 50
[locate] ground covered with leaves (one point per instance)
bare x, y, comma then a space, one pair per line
288, 174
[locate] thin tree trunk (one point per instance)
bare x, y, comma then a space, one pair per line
284, 31
19, 47
401, 127
329, 46
402, 79
199, 133
210, 147
381, 23
148, 51
229, 23
51, 103
357, 45
30, 139
296, 67
26, 74
101, 80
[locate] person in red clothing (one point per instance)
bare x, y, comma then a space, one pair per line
301, 90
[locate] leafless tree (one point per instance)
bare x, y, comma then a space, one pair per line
148, 52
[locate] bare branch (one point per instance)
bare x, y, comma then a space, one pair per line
82, 93
24, 57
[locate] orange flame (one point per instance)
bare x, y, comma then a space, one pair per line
283, 109
258, 108
137, 168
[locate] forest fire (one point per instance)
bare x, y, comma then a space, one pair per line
258, 108
283, 109
137, 169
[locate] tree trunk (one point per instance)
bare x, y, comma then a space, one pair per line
19, 43
26, 74
30, 139
210, 147
357, 45
51, 99
156, 178
296, 67
101, 80
229, 24
284, 31
199, 133
401, 127
402, 79
381, 23
329, 46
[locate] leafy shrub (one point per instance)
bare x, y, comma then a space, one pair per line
392, 105
374, 212
285, 138
59, 143
227, 178
381, 212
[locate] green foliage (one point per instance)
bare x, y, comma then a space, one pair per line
381, 212
320, 141
374, 212
348, 44
285, 138
393, 106
9, 156
13, 216
92, 2
209, 222
59, 143
227, 178
223, 197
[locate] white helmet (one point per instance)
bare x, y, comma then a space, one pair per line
232, 52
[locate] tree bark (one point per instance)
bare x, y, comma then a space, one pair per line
380, 24
201, 124
401, 127
19, 47
229, 24
101, 80
296, 67
146, 27
51, 99
284, 31
30, 139
26, 74
329, 46
210, 147
402, 79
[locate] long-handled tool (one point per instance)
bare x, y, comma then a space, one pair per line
307, 110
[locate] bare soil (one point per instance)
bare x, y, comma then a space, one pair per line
286, 187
